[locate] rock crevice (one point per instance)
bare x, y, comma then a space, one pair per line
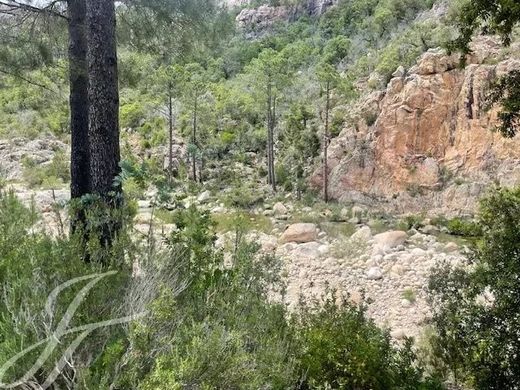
432, 145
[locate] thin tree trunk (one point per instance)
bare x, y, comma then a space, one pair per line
326, 148
103, 96
194, 140
270, 136
170, 119
268, 125
78, 77
201, 168
273, 125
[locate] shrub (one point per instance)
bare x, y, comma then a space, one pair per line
413, 221
132, 114
55, 174
342, 349
476, 308
284, 177
462, 227
243, 197
409, 295
220, 331
32, 264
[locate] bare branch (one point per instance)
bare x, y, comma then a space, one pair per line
18, 76
15, 5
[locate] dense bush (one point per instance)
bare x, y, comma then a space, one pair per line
462, 227
476, 316
31, 266
52, 175
342, 349
218, 331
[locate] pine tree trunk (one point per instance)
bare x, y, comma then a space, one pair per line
170, 119
326, 148
201, 168
194, 140
268, 126
103, 97
78, 77
273, 125
271, 113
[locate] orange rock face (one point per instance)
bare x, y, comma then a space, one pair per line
427, 142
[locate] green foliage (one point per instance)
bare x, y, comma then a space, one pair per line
210, 322
52, 175
494, 16
409, 295
463, 227
506, 93
219, 331
243, 197
131, 114
342, 349
476, 307
413, 221
32, 264
193, 235
24, 108
336, 49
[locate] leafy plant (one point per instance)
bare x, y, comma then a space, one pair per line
475, 314
462, 227
342, 349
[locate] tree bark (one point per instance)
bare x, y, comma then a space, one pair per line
273, 125
103, 94
194, 140
103, 97
326, 147
268, 124
271, 122
170, 119
78, 78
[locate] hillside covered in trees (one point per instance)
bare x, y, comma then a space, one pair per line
292, 194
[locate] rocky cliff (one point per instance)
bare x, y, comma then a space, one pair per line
427, 141
257, 20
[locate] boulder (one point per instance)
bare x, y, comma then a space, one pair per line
279, 209
204, 197
300, 233
430, 229
362, 235
390, 239
400, 72
398, 334
309, 250
451, 247
374, 273
358, 211
218, 210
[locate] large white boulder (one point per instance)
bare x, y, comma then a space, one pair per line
374, 273
204, 197
300, 233
390, 239
279, 209
362, 235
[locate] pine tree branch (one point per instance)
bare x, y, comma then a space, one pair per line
32, 82
15, 5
